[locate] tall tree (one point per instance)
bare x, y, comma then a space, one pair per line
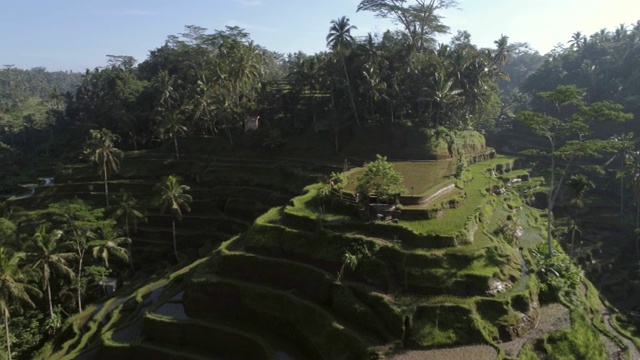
173, 197
102, 151
166, 109
80, 223
623, 145
340, 40
129, 212
420, 20
15, 290
567, 125
51, 256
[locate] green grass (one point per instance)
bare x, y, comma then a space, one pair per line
308, 206
419, 176
527, 353
581, 341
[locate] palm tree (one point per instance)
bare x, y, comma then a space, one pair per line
171, 127
14, 290
170, 122
50, 257
108, 243
203, 102
163, 84
339, 40
238, 70
173, 196
501, 55
130, 212
577, 41
444, 95
102, 151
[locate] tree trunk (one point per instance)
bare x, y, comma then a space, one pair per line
175, 145
550, 203
49, 298
6, 329
573, 236
622, 192
353, 104
106, 186
79, 285
314, 109
175, 244
126, 226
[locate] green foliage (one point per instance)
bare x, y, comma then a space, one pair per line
527, 353
559, 277
28, 332
582, 341
569, 118
440, 325
173, 197
7, 231
355, 253
380, 179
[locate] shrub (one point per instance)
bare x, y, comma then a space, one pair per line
444, 325
559, 277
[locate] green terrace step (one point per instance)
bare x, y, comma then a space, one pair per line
456, 271
303, 281
203, 338
317, 332
154, 351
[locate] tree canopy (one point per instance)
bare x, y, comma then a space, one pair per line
380, 179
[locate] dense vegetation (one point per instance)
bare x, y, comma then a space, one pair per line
157, 169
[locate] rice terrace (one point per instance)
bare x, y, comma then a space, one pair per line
391, 196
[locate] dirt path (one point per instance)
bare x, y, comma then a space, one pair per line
478, 352
552, 317
633, 350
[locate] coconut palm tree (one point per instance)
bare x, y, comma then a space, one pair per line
339, 40
50, 254
501, 56
577, 41
173, 197
128, 211
102, 151
108, 243
163, 84
14, 288
171, 127
165, 109
443, 94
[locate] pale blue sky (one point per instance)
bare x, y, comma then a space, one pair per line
78, 34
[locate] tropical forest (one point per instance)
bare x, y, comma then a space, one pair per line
392, 197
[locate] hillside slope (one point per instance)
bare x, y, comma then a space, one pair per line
312, 278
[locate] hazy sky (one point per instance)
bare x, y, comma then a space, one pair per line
78, 34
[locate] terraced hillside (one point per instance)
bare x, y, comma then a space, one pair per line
230, 188
313, 278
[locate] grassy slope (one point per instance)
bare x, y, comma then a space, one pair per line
439, 316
